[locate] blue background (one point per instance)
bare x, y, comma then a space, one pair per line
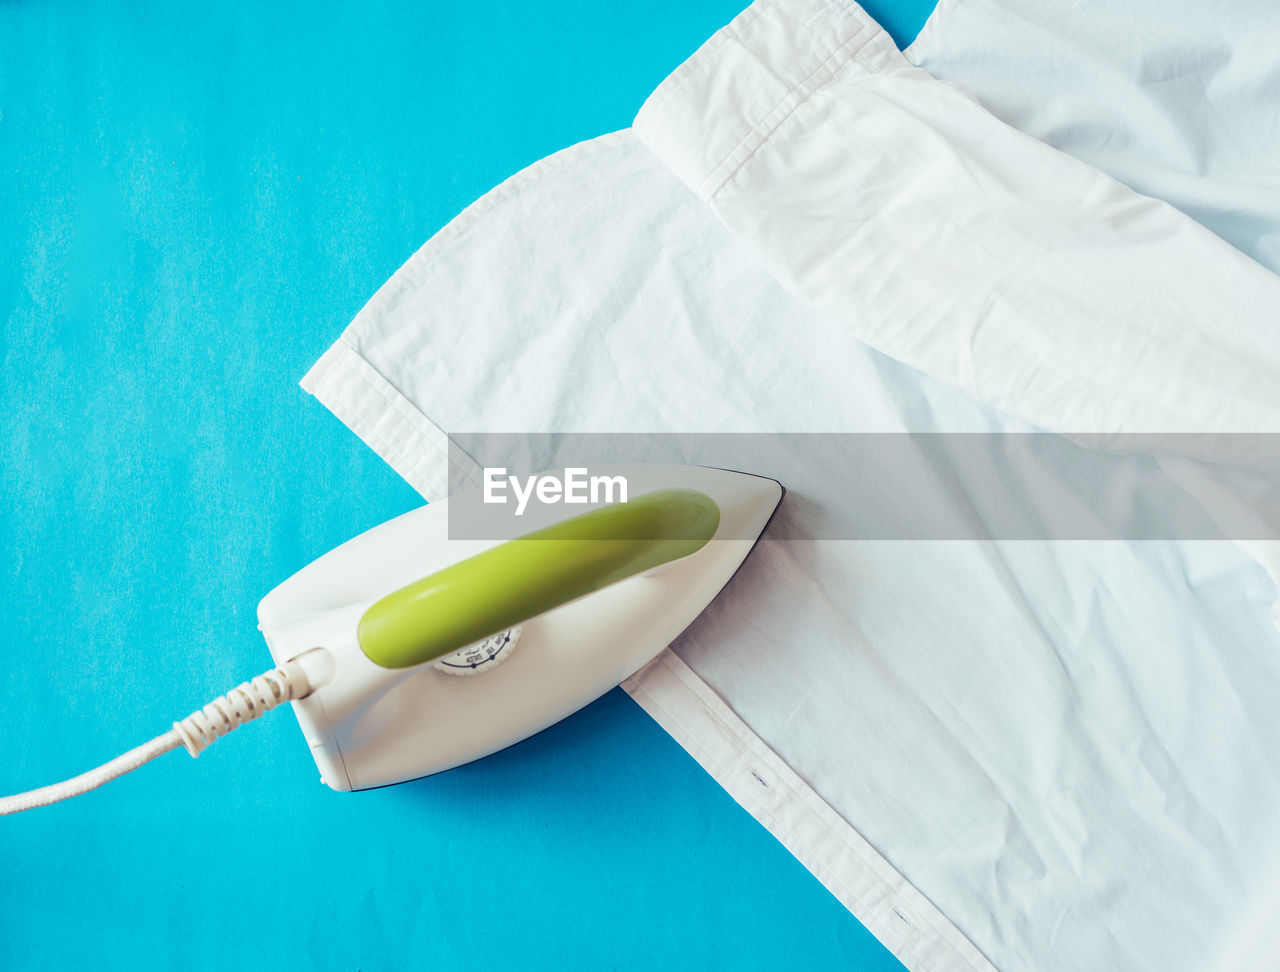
195, 200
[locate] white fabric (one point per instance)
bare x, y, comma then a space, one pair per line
1178, 99
852, 176
895, 912
1044, 755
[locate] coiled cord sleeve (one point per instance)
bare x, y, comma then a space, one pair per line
242, 704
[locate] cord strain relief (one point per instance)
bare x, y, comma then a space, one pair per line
242, 704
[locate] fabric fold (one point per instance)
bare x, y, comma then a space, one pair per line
1056, 294
1175, 98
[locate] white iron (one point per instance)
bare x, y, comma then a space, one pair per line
370, 725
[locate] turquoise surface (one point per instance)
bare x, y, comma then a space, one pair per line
195, 201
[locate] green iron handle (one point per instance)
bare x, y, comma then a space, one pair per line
522, 578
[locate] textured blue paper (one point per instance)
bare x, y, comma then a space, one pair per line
195, 200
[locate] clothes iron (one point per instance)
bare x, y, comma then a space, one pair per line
435, 639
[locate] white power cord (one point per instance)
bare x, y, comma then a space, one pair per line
242, 704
